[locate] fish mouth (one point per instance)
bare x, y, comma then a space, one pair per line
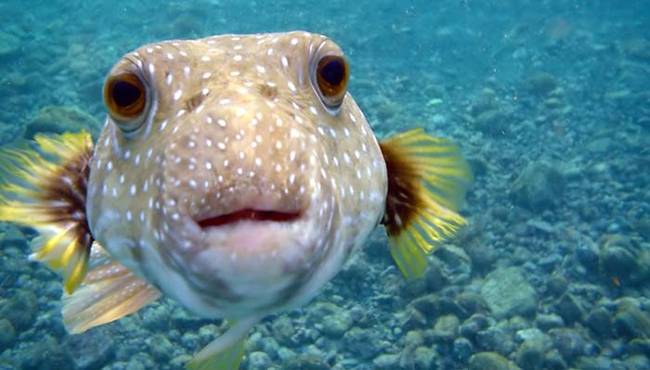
249, 214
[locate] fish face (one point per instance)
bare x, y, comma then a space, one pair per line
235, 173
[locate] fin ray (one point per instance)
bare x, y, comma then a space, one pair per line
109, 292
427, 181
33, 194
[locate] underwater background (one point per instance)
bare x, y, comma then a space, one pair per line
550, 102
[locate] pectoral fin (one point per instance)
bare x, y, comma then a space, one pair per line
225, 352
108, 292
45, 188
427, 181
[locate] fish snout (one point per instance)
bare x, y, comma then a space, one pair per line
239, 163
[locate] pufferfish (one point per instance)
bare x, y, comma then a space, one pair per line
234, 174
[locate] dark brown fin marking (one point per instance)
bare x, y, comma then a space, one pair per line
427, 180
46, 190
403, 185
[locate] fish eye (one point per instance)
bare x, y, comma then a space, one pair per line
332, 75
125, 99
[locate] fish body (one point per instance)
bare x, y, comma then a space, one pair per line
234, 124
235, 174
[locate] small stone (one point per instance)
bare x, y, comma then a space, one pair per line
493, 122
471, 303
46, 353
530, 353
190, 340
9, 44
161, 348
495, 339
423, 358
617, 260
180, 361
363, 344
427, 305
473, 325
587, 255
182, 318
386, 361
208, 332
412, 319
318, 310
92, 349
538, 187
462, 349
639, 345
630, 321
508, 293
642, 226
637, 48
156, 318
594, 363
7, 334
12, 237
540, 83
283, 331
569, 308
599, 321
270, 346
549, 321
20, 309
258, 361
446, 328
140, 361
306, 362
638, 362
334, 326
434, 278
569, 343
285, 354
490, 361
413, 339
457, 263
557, 284
553, 361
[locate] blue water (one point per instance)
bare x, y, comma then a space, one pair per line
550, 103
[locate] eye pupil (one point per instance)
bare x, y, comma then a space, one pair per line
125, 93
333, 72
125, 98
332, 78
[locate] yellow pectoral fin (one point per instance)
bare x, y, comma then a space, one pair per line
45, 188
225, 352
427, 181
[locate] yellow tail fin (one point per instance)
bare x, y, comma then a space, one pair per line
427, 181
46, 189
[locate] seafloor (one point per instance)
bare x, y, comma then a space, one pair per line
550, 101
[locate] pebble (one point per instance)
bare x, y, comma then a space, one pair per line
7, 334
508, 293
490, 361
462, 349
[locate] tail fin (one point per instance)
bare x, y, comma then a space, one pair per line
46, 189
427, 181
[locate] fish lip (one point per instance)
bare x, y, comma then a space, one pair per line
249, 214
